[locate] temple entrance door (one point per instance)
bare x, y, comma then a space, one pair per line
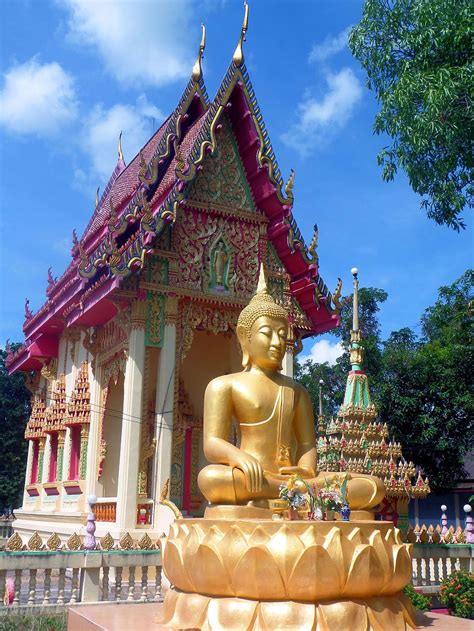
209, 356
112, 435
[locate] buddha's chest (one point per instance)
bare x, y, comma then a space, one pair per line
257, 403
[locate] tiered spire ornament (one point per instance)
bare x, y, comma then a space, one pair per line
197, 68
355, 441
238, 57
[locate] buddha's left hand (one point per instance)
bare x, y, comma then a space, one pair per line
303, 472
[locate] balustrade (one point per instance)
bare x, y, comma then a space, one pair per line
58, 577
105, 511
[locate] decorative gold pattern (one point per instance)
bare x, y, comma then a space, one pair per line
306, 562
74, 542
14, 542
126, 542
107, 542
207, 317
145, 543
35, 542
222, 178
53, 542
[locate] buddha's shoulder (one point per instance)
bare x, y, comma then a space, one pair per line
223, 384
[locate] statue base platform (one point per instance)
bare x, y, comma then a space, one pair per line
124, 616
230, 574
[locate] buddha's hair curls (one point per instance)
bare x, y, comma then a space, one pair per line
262, 304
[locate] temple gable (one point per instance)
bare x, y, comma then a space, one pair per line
222, 182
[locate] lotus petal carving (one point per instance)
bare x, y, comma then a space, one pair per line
185, 611
301, 561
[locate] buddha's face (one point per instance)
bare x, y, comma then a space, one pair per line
266, 345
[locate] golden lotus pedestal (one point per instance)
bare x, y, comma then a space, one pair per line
231, 574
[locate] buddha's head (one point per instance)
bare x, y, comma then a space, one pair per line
262, 329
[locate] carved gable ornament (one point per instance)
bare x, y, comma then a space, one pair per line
222, 181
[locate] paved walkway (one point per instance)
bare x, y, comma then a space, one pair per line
128, 617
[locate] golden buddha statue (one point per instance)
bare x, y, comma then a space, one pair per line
274, 417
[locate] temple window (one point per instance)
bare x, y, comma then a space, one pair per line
75, 452
53, 459
34, 463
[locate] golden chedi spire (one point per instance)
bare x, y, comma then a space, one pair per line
197, 68
238, 57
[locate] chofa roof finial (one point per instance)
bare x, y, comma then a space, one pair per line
97, 196
197, 68
238, 57
120, 152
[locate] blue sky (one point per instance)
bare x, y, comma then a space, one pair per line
75, 73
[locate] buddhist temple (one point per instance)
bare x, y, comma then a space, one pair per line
143, 317
355, 441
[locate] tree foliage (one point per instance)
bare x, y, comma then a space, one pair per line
418, 58
14, 412
421, 385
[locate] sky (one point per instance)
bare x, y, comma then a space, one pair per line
74, 73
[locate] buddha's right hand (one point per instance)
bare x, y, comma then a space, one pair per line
251, 469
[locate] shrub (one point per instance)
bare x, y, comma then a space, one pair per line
423, 603
457, 593
33, 622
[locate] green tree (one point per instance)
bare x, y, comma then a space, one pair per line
418, 58
14, 413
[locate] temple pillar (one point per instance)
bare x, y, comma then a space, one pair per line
60, 456
83, 452
165, 402
287, 364
66, 454
29, 468
131, 421
44, 470
94, 438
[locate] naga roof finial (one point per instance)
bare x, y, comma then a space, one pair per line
120, 153
290, 183
97, 196
238, 57
197, 68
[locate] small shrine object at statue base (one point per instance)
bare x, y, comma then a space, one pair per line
231, 574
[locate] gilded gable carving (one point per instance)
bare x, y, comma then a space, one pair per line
222, 179
195, 236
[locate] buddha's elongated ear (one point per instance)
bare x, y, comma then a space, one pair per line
244, 341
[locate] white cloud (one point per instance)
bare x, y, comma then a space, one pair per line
330, 47
318, 118
100, 135
323, 351
146, 42
37, 98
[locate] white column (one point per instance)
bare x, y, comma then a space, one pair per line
46, 459
93, 445
131, 427
164, 411
29, 464
288, 365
